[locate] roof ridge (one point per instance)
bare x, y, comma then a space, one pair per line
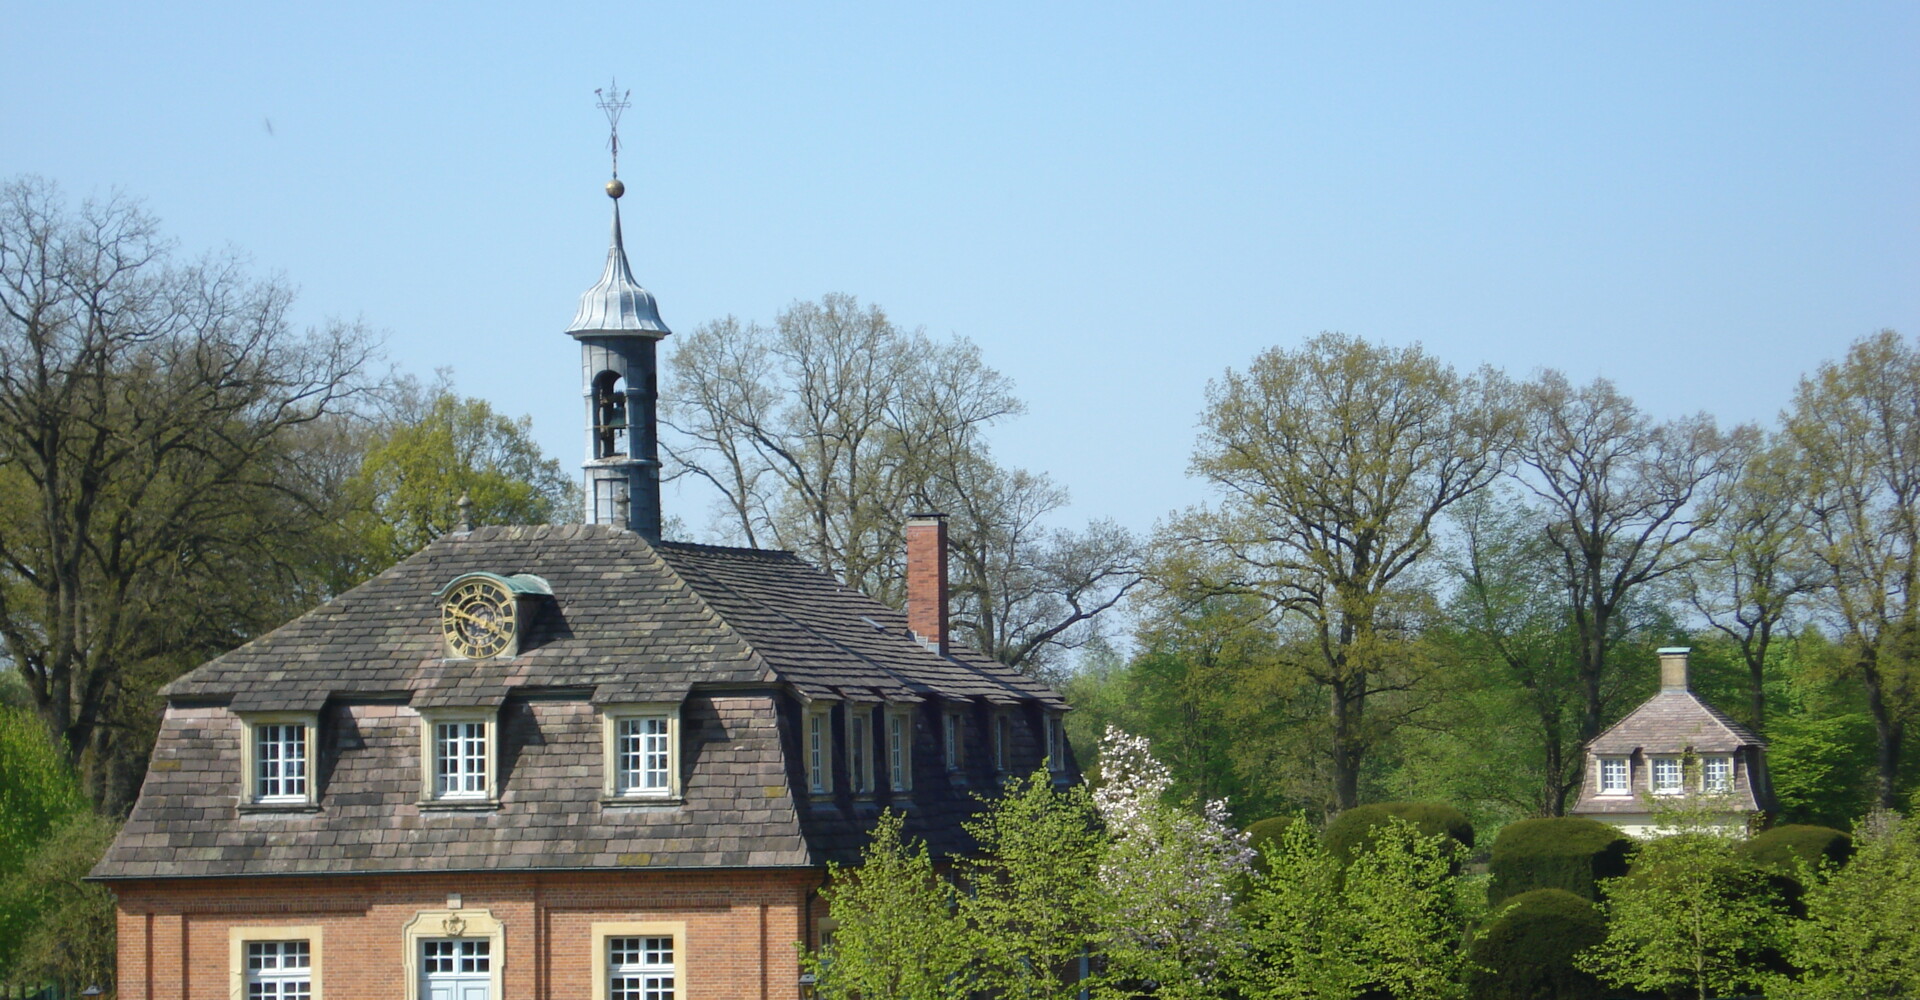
744, 549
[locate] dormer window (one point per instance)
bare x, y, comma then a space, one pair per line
1666, 776
642, 751
458, 757
1716, 774
819, 749
954, 745
483, 615
860, 749
899, 751
278, 760
1615, 776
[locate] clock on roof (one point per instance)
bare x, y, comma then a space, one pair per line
483, 615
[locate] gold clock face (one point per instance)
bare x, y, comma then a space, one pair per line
479, 619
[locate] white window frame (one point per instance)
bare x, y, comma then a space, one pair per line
239, 937
604, 934
1678, 773
860, 777
818, 748
1625, 787
1707, 767
430, 723
899, 748
253, 781
619, 783
954, 741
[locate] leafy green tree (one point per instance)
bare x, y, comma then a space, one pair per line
1392, 922
38, 794
898, 934
1691, 915
1411, 913
152, 504
438, 448
1859, 938
1856, 424
1033, 902
1333, 463
1302, 938
69, 939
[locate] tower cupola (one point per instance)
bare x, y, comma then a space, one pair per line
617, 326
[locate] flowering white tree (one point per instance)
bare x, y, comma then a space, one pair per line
1169, 876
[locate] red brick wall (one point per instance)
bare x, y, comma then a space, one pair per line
741, 927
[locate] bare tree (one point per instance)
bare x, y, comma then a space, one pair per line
1754, 565
146, 489
1857, 425
824, 430
1619, 491
1333, 462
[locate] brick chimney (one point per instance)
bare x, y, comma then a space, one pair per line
1673, 668
927, 578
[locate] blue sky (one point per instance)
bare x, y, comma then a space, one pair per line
1115, 201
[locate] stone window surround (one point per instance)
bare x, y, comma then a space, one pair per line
611, 716
250, 797
450, 923
603, 931
430, 721
240, 935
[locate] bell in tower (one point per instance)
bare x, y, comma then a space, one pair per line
618, 326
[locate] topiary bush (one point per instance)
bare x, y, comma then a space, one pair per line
1568, 852
1780, 848
1352, 831
1267, 831
1527, 952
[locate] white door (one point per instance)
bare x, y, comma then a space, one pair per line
455, 969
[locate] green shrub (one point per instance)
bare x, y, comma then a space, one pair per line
1569, 853
1263, 833
1527, 952
1780, 848
1352, 831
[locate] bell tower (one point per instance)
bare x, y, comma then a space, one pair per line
618, 327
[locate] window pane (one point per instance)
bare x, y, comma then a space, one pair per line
1717, 774
279, 970
1666, 774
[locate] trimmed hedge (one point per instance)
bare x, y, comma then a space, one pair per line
1569, 852
1527, 952
1264, 832
1352, 831
1779, 848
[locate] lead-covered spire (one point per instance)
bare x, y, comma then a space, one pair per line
616, 305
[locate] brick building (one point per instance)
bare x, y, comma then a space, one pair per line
1676, 749
551, 761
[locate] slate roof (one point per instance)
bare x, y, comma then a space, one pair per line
730, 633
1674, 721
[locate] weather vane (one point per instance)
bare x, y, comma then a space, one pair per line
612, 101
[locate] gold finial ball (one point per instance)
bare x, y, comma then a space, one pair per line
615, 189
